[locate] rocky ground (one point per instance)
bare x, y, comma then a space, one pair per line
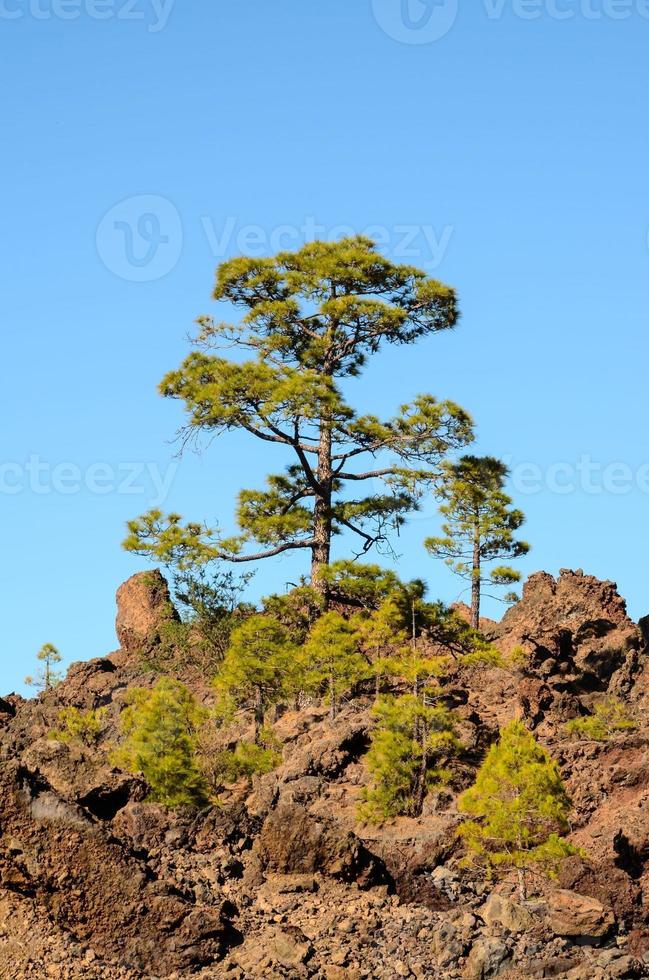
281, 880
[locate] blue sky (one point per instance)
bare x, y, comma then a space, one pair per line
501, 146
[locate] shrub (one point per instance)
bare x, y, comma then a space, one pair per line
224, 765
609, 716
80, 726
410, 746
519, 808
261, 666
332, 658
160, 729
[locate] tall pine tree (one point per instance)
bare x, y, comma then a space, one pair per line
311, 319
480, 525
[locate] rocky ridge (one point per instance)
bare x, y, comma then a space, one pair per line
280, 880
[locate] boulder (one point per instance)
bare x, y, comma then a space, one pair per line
83, 775
292, 841
488, 957
578, 916
143, 606
605, 881
448, 943
275, 946
500, 911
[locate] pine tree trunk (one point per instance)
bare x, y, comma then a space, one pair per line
522, 885
259, 712
321, 550
332, 695
413, 644
475, 585
420, 788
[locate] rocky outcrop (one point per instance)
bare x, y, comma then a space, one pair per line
293, 841
143, 606
576, 631
57, 854
280, 879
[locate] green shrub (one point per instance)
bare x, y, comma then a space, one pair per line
161, 729
332, 659
609, 716
410, 746
80, 726
518, 807
222, 766
261, 667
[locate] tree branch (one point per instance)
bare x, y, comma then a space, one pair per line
369, 540
288, 546
389, 471
306, 466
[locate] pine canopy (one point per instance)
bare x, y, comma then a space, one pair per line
310, 319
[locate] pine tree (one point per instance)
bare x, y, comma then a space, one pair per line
519, 808
262, 664
47, 676
160, 729
480, 525
332, 658
298, 611
311, 320
381, 638
411, 745
408, 640
357, 584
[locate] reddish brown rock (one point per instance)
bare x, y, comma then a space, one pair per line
292, 841
55, 853
575, 628
143, 606
578, 916
604, 881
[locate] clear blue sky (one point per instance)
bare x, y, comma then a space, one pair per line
512, 138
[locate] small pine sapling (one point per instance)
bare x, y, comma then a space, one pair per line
47, 676
333, 659
411, 745
518, 809
160, 729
